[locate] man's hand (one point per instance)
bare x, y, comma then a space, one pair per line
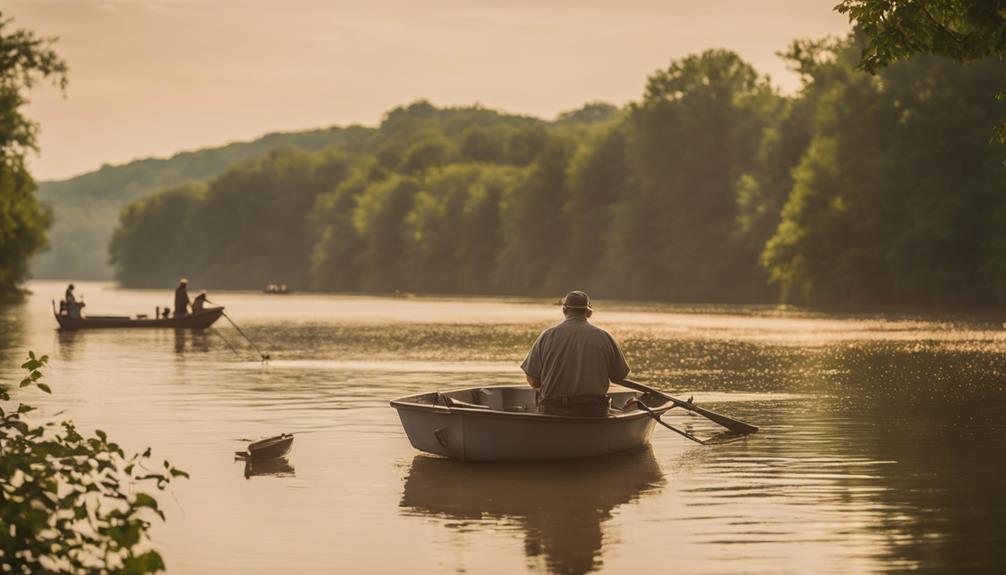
534, 382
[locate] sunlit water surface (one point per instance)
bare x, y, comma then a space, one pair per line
882, 443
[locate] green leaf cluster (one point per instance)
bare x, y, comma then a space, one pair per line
71, 503
962, 30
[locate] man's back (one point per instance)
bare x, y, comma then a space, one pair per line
575, 358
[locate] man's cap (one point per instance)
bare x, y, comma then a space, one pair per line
183, 281
576, 300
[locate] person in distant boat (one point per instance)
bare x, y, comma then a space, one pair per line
182, 298
72, 305
572, 363
199, 303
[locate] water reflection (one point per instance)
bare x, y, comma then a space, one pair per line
192, 340
68, 343
11, 332
559, 506
882, 446
279, 467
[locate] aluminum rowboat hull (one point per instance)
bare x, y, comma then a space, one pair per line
502, 425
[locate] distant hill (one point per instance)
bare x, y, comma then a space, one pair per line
86, 208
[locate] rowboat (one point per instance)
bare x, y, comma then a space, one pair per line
270, 447
198, 320
502, 424
268, 456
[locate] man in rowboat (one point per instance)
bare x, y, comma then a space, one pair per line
572, 363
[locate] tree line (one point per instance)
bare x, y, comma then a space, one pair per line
713, 186
85, 209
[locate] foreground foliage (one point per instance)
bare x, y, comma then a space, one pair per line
71, 503
962, 30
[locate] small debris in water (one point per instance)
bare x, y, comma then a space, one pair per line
269, 448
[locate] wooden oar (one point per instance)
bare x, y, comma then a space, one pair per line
656, 418
728, 422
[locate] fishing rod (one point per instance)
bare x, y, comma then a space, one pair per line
264, 356
229, 345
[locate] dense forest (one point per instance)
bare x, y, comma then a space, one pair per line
85, 209
859, 188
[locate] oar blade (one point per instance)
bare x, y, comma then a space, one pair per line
735, 425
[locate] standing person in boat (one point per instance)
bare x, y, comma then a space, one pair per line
72, 305
182, 298
199, 303
571, 364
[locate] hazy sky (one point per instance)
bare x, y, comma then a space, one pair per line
150, 78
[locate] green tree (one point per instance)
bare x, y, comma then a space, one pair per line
524, 144
763, 191
435, 232
152, 246
379, 219
430, 152
337, 257
963, 30
591, 113
894, 200
695, 133
25, 59
534, 225
244, 232
453, 228
478, 144
481, 230
598, 178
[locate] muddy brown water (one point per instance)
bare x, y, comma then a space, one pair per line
882, 446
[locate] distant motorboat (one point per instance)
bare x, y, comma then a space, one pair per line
276, 289
199, 320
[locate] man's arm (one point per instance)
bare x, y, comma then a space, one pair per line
618, 369
532, 364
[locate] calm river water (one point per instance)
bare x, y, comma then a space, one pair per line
882, 446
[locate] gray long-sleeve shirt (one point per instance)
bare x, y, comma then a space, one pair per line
575, 358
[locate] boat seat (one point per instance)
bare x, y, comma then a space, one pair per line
451, 402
